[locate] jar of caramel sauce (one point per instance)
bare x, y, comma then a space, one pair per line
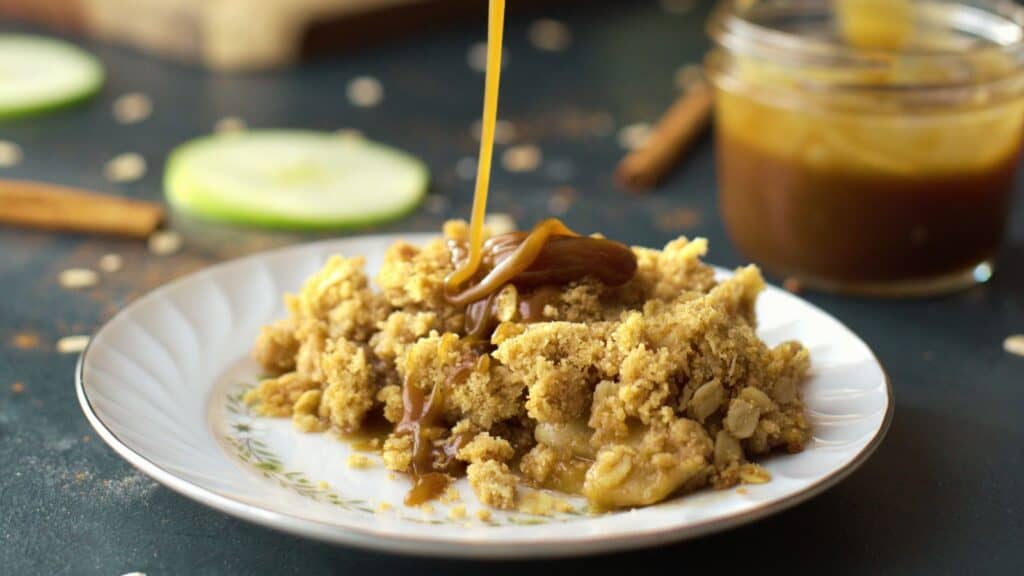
868, 152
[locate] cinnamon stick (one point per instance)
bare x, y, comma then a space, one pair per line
61, 208
670, 139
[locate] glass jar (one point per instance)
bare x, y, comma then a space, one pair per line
881, 170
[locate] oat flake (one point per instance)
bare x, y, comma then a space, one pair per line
549, 35
75, 278
10, 154
111, 262
164, 242
132, 108
128, 167
1014, 344
365, 92
634, 136
524, 158
72, 344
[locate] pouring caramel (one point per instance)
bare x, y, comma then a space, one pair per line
538, 263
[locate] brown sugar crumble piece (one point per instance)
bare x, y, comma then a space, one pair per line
626, 395
359, 462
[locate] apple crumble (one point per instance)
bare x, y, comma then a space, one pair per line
626, 391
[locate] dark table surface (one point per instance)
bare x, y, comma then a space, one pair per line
943, 494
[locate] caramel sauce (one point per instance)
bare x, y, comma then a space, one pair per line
853, 225
371, 434
535, 263
433, 464
549, 255
531, 306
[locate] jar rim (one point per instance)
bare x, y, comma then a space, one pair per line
731, 28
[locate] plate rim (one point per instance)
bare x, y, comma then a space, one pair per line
426, 546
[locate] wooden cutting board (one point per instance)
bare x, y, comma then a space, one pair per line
245, 34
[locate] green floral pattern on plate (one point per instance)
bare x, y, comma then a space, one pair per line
243, 427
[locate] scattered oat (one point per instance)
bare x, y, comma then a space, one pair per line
465, 168
561, 200
678, 219
678, 6
1014, 344
742, 491
451, 495
791, 284
689, 76
132, 108
483, 515
504, 131
230, 124
17, 387
476, 57
10, 154
549, 35
25, 341
359, 462
127, 167
72, 344
77, 278
634, 136
457, 512
384, 506
348, 133
754, 474
436, 204
365, 91
523, 158
164, 242
427, 508
500, 223
111, 262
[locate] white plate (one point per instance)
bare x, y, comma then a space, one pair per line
160, 384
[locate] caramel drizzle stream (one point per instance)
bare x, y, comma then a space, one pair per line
495, 30
521, 259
